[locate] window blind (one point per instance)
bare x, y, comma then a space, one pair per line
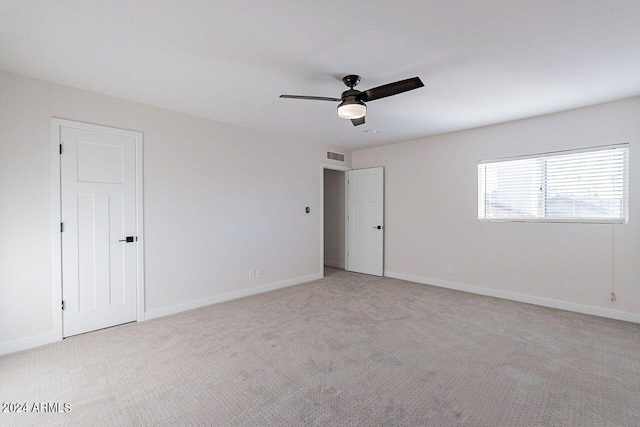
589, 185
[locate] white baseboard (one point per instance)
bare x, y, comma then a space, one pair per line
190, 305
545, 302
334, 264
27, 343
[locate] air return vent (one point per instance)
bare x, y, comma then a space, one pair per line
335, 156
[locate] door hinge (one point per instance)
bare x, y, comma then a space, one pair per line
60, 148
61, 227
63, 304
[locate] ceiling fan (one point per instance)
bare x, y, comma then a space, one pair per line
352, 103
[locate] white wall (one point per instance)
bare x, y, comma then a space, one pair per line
431, 216
334, 231
219, 200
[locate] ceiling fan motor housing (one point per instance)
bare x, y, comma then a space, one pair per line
351, 107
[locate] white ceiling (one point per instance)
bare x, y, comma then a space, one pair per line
482, 62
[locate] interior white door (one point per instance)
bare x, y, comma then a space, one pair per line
365, 225
99, 269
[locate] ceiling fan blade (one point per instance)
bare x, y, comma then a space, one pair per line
391, 89
312, 98
357, 122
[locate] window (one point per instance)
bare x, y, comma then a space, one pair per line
589, 185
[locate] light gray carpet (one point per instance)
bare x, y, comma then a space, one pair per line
349, 349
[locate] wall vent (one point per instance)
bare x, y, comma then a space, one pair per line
335, 156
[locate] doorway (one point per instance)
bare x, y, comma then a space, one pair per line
334, 218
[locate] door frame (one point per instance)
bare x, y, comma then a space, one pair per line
324, 166
56, 214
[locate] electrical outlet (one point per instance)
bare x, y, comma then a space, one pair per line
258, 274
613, 296
252, 274
450, 269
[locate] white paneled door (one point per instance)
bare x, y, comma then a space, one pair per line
365, 225
98, 212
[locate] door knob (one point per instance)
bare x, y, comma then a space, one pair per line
379, 227
129, 239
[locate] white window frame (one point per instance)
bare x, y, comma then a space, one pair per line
624, 220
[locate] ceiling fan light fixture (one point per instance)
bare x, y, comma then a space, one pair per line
352, 109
